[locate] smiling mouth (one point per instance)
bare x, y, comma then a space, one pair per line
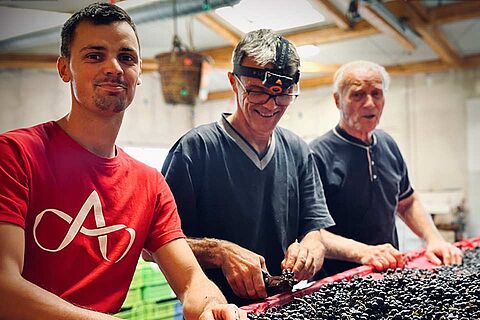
266, 115
370, 117
111, 85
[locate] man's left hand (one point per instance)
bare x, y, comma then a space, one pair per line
223, 312
440, 251
305, 258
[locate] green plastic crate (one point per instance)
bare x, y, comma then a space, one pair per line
155, 311
157, 293
134, 297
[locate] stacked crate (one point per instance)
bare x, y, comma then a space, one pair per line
150, 297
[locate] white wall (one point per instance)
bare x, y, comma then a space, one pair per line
33, 96
426, 114
473, 143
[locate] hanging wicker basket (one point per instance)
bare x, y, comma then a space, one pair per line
181, 74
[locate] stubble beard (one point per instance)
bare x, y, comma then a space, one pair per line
110, 103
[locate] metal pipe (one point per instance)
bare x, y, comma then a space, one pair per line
150, 12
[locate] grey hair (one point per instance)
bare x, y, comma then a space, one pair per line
261, 46
338, 78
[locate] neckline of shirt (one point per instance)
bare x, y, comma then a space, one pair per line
343, 135
114, 161
246, 147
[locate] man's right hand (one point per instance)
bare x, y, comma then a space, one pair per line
243, 270
382, 257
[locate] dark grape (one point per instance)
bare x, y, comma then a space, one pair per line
443, 293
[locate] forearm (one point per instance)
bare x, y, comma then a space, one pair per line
340, 248
208, 251
23, 300
200, 296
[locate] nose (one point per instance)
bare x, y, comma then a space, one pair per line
113, 67
369, 103
270, 104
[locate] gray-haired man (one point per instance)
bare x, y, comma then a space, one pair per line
366, 181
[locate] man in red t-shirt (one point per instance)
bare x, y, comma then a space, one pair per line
75, 210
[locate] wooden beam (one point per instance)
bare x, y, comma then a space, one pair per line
394, 70
334, 13
431, 33
149, 65
436, 39
218, 27
220, 95
446, 13
222, 57
25, 61
378, 21
464, 10
308, 66
329, 34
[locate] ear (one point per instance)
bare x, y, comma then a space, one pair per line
233, 83
336, 96
139, 79
64, 69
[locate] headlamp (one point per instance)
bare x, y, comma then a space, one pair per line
275, 78
271, 78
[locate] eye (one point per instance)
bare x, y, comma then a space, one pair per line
377, 94
357, 95
93, 56
127, 58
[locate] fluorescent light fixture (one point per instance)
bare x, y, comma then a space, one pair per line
277, 15
307, 51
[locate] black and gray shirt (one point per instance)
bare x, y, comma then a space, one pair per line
363, 184
225, 190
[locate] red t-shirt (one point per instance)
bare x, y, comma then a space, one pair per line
86, 218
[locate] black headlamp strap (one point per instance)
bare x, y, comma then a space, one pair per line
282, 54
248, 72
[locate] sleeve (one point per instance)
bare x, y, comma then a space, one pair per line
177, 170
406, 189
166, 225
14, 182
314, 211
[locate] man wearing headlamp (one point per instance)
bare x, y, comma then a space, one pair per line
248, 192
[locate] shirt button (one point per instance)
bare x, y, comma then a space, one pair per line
373, 163
374, 176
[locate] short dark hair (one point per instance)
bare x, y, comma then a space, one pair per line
96, 13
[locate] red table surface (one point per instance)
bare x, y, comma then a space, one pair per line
417, 260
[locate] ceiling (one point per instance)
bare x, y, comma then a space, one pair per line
407, 36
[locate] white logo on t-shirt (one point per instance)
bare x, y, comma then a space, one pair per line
76, 226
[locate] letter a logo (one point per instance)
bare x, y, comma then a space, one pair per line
76, 226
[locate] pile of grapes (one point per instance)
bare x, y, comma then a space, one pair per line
445, 293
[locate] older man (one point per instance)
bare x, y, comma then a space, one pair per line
248, 192
75, 210
366, 181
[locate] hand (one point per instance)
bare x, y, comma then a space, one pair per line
223, 312
382, 257
305, 258
243, 270
448, 253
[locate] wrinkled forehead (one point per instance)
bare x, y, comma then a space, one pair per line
362, 77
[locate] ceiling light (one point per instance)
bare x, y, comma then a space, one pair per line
277, 15
307, 51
